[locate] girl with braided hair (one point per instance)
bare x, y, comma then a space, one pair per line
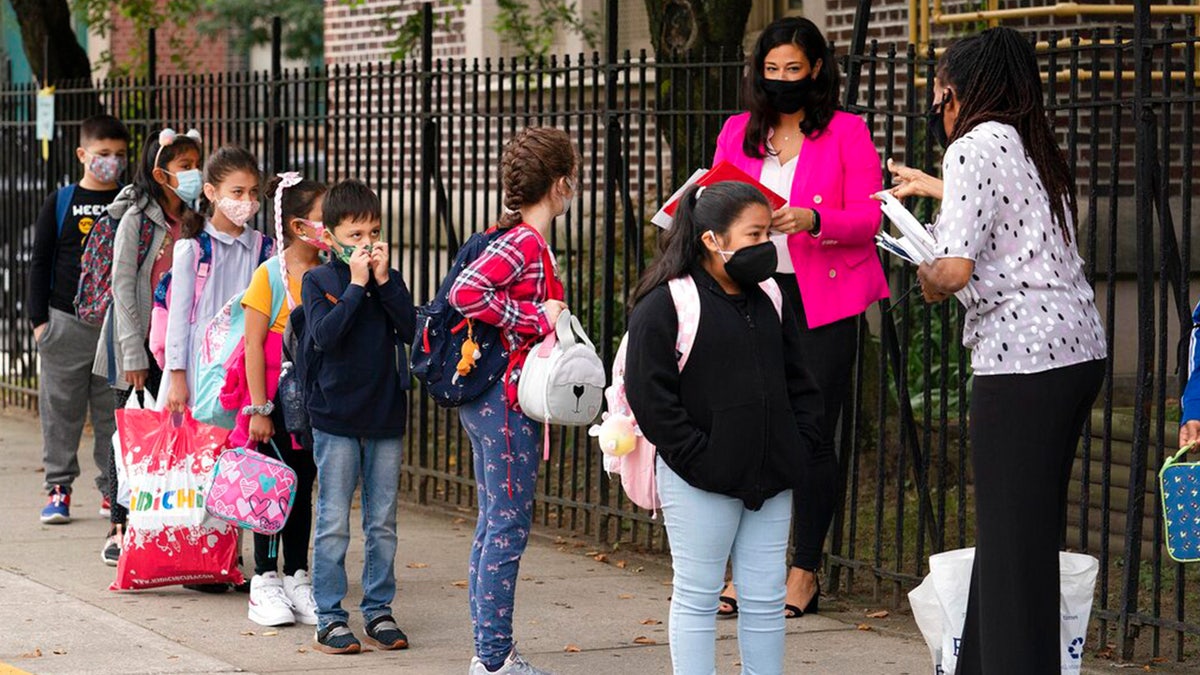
513, 285
274, 599
1038, 348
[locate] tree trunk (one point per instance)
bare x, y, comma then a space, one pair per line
706, 32
50, 44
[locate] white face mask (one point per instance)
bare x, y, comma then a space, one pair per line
238, 211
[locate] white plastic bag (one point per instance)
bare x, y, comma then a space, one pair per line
123, 490
939, 606
928, 613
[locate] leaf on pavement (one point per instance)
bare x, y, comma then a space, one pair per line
461, 583
651, 622
572, 649
863, 626
625, 596
643, 640
35, 654
417, 566
881, 614
600, 557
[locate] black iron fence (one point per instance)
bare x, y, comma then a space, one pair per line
428, 135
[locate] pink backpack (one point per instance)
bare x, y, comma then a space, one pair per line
637, 467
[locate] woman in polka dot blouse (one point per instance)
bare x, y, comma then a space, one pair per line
795, 141
1007, 226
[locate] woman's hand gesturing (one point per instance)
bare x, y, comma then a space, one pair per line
912, 182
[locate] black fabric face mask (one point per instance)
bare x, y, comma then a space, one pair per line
752, 265
787, 97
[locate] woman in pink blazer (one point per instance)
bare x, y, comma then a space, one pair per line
795, 141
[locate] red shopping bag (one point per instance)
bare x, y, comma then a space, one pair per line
169, 538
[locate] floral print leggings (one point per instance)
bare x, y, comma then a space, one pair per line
506, 448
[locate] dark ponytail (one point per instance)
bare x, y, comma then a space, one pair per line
680, 248
220, 164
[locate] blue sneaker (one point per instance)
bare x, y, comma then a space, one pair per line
58, 509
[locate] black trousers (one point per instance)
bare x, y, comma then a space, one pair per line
1024, 431
119, 514
829, 353
297, 531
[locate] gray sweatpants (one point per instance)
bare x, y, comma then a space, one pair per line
67, 389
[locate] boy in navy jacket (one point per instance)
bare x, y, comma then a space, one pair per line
67, 389
358, 317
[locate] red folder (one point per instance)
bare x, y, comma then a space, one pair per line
723, 171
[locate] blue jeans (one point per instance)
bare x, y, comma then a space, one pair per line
340, 462
506, 477
704, 529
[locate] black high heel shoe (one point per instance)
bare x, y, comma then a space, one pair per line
813, 606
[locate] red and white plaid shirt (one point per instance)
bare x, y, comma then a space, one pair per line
506, 287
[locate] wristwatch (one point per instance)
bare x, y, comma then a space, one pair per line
816, 226
265, 409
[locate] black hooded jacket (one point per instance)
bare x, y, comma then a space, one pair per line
744, 414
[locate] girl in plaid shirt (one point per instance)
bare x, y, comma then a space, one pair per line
514, 286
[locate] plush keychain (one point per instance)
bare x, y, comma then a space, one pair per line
617, 434
470, 354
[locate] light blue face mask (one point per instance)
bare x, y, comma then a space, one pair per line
190, 183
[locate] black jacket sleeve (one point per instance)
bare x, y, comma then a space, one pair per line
805, 398
398, 304
328, 322
41, 263
652, 379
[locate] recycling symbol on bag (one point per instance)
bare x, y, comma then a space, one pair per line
1075, 649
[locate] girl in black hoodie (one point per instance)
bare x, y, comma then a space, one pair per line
731, 429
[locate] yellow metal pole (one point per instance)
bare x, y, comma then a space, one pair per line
1061, 9
925, 24
913, 37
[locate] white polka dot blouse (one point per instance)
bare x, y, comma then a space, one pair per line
1036, 310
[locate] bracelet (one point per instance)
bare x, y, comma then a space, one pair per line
264, 410
816, 227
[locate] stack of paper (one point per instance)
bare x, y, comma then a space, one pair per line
915, 245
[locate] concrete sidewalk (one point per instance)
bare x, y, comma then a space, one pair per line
574, 614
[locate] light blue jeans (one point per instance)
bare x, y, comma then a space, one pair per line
706, 529
340, 463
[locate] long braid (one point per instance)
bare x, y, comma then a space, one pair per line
533, 160
996, 77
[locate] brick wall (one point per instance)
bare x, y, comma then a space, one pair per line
181, 50
358, 34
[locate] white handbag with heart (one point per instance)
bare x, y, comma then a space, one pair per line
563, 379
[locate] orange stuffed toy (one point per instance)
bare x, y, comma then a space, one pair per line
470, 354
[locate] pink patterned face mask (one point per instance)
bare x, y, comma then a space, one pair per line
317, 241
238, 211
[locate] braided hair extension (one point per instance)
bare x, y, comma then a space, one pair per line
996, 79
533, 160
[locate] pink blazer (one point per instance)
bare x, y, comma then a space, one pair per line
838, 271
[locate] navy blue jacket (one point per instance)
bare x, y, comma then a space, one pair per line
356, 365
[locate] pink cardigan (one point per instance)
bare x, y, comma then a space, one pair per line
838, 271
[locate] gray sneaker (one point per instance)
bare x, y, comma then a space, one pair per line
515, 664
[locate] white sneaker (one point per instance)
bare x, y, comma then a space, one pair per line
269, 604
515, 664
299, 591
